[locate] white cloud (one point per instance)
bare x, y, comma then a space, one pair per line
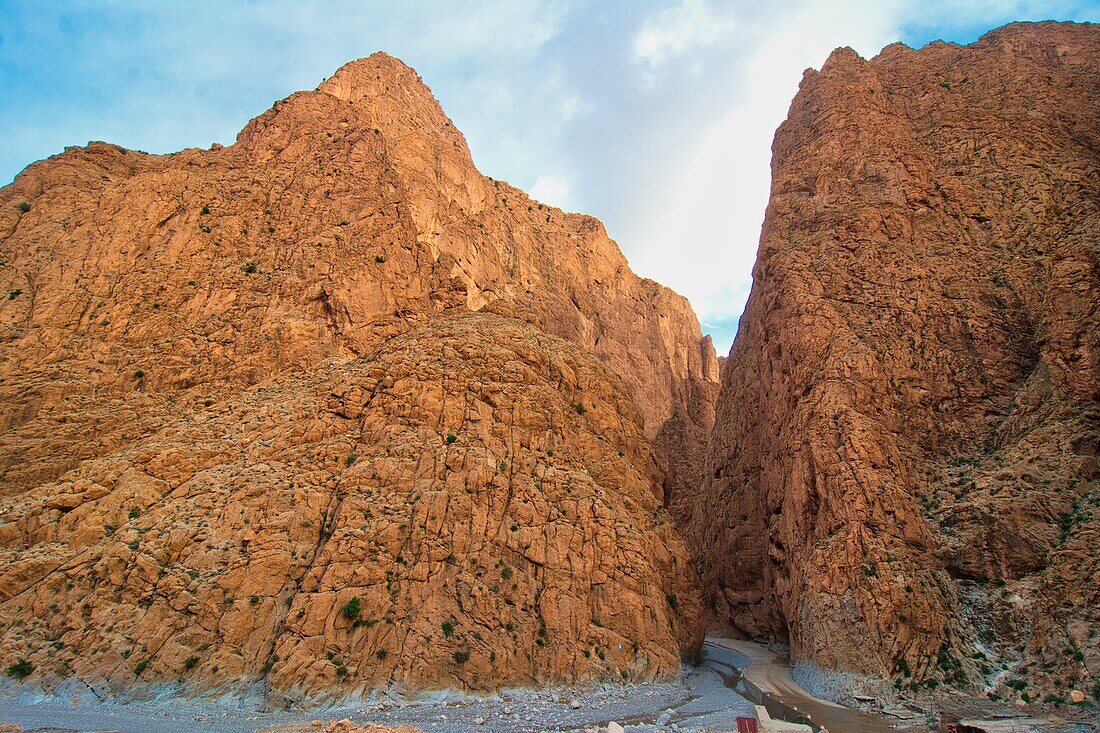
570, 107
655, 116
551, 190
702, 237
678, 30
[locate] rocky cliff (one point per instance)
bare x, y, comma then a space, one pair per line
904, 475
327, 410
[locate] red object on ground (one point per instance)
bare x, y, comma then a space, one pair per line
746, 725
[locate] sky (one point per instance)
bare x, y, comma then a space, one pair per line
654, 115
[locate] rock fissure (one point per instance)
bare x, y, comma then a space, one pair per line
262, 351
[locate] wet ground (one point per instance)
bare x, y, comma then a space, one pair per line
769, 681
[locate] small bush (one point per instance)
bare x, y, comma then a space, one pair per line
503, 466
351, 609
190, 663
352, 459
139, 374
462, 656
673, 601
254, 600
381, 654
451, 439
204, 210
13, 294
379, 258
448, 629
24, 207
133, 544
342, 671
250, 268
506, 572
141, 667
133, 514
20, 669
581, 409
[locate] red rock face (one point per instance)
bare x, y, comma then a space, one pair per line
904, 462
229, 382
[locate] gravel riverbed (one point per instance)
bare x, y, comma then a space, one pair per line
697, 703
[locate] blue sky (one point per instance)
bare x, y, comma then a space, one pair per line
654, 115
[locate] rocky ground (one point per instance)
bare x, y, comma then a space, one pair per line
700, 702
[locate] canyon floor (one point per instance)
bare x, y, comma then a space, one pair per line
702, 701
710, 697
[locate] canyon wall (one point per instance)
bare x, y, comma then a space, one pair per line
903, 470
241, 388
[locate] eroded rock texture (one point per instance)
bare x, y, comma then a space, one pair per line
240, 388
904, 463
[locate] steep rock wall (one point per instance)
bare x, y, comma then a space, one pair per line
903, 469
241, 386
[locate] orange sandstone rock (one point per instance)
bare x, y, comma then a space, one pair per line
904, 462
327, 410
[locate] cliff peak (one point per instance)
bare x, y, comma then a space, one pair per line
350, 301
372, 76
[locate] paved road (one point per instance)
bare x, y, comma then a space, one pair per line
772, 675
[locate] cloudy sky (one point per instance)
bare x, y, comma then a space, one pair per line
654, 115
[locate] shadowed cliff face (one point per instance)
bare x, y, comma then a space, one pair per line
240, 387
903, 468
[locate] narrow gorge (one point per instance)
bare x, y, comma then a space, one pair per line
327, 411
